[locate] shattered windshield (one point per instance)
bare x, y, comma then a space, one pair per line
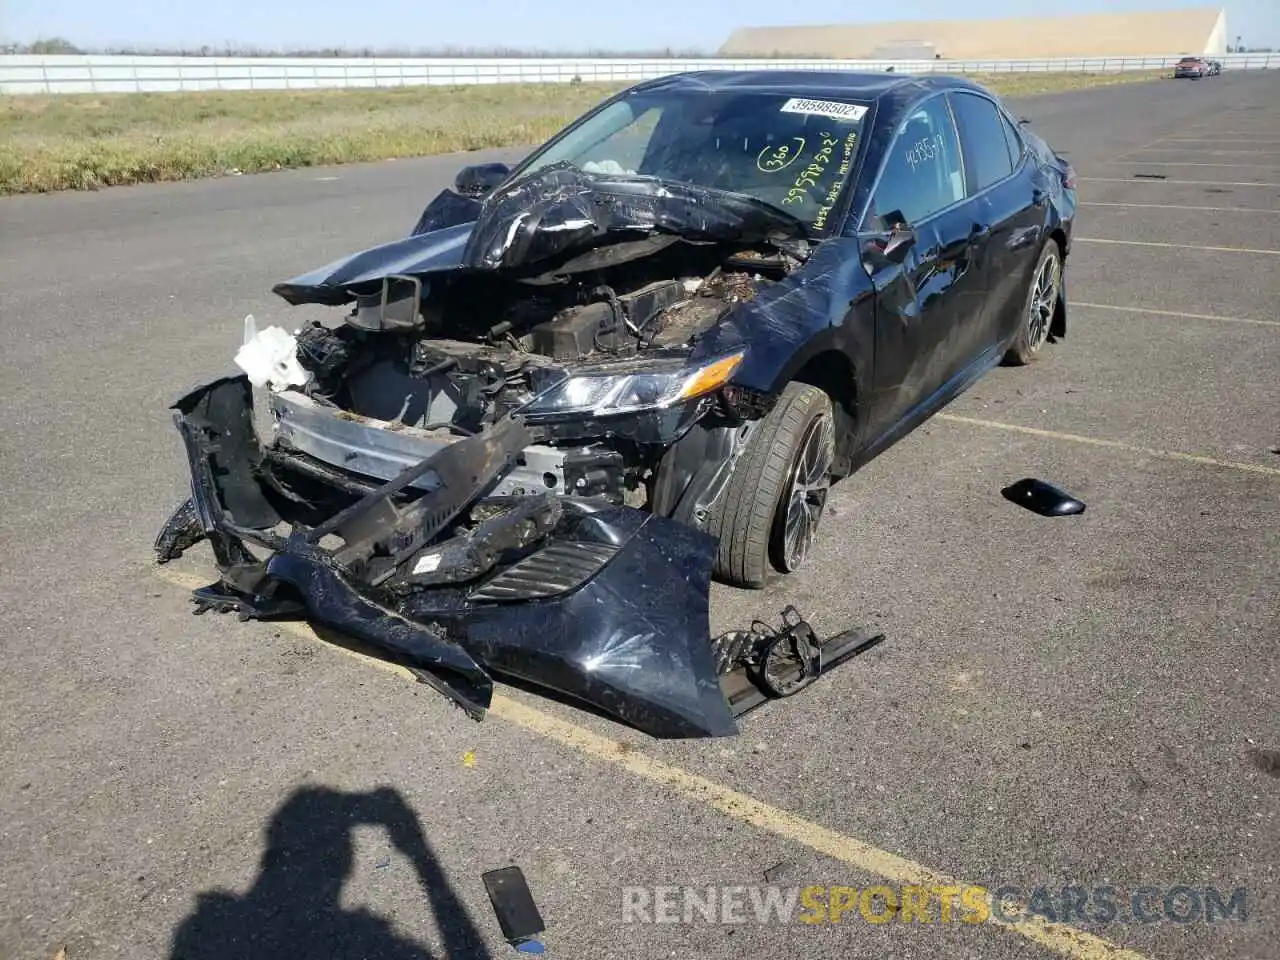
793, 153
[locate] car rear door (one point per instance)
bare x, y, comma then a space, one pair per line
926, 307
1003, 178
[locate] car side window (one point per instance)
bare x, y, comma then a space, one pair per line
922, 173
982, 133
1014, 139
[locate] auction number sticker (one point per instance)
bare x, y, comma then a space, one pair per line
825, 108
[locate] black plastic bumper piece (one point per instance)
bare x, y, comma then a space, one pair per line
607, 607
334, 602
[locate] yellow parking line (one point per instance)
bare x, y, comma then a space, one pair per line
861, 856
1113, 444
1176, 313
1177, 246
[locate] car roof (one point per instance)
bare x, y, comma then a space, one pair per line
811, 83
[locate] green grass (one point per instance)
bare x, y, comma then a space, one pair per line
83, 142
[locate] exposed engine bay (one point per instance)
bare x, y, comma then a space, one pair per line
424, 361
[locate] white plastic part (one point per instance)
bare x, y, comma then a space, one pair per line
270, 356
429, 563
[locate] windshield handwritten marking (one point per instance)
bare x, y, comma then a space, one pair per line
781, 157
842, 172
808, 177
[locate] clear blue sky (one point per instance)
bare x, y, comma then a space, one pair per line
544, 24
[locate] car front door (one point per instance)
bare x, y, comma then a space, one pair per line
1010, 203
926, 306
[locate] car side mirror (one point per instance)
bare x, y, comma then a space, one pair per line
901, 240
480, 179
883, 250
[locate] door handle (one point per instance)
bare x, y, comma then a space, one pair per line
1037, 197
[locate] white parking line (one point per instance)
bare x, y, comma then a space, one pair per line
1175, 313
1213, 140
1185, 183
1209, 150
1113, 444
1173, 206
1177, 246
1183, 163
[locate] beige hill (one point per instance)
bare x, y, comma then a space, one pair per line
1173, 32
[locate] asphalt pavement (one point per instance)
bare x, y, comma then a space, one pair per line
1090, 701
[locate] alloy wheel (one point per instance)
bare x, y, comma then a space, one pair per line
807, 491
1044, 299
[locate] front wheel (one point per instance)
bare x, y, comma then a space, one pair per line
1038, 311
768, 514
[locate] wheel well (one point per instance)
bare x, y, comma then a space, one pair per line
1059, 236
1058, 326
832, 372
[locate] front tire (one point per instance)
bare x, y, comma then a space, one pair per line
1038, 310
768, 515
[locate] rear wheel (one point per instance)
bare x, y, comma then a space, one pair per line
768, 515
1038, 311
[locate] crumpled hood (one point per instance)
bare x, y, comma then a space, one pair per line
561, 209
419, 255
538, 218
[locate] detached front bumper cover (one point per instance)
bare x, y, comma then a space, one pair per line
604, 605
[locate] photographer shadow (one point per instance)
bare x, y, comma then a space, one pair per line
294, 908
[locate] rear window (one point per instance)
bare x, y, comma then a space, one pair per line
986, 148
794, 153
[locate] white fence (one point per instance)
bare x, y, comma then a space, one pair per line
128, 74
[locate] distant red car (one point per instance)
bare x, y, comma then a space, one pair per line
1193, 67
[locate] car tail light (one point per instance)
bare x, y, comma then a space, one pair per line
1069, 176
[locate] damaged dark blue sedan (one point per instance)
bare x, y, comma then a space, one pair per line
583, 387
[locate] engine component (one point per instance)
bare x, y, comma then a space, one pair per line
326, 353
577, 332
692, 316
595, 472
647, 302
468, 357
609, 323
394, 307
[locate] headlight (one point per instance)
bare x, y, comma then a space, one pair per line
605, 394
